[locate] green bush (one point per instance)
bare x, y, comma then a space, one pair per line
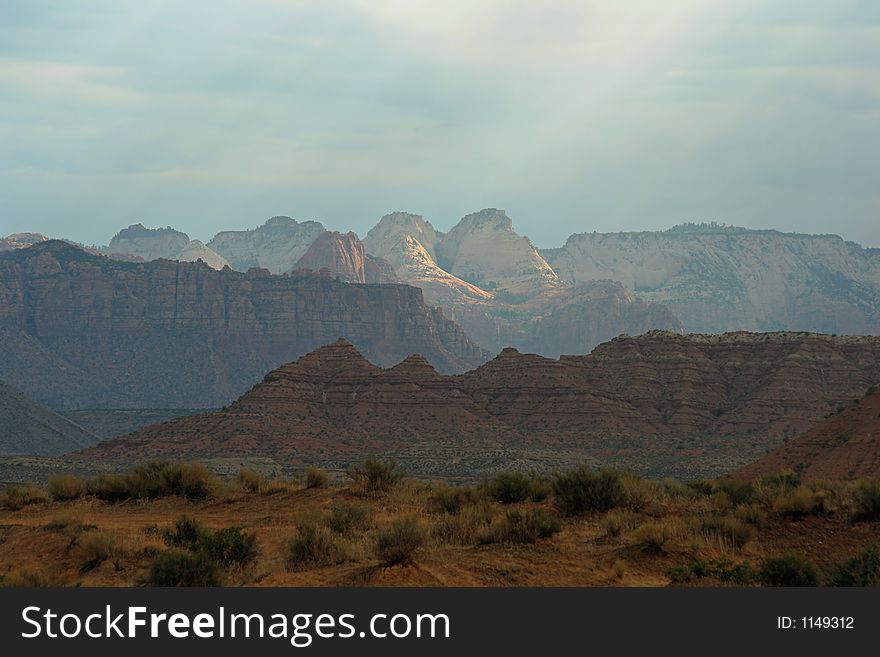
518, 526
17, 496
583, 490
375, 475
186, 533
316, 477
64, 487
798, 503
868, 501
736, 490
790, 569
722, 570
346, 518
177, 568
94, 549
655, 537
250, 480
314, 545
861, 570
399, 541
702, 487
26, 578
619, 521
228, 547
515, 487
449, 499
465, 527
160, 479
728, 532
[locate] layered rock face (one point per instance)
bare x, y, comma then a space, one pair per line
276, 245
717, 278
154, 243
710, 388
845, 445
29, 428
83, 331
344, 258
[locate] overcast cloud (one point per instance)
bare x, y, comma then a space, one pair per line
572, 115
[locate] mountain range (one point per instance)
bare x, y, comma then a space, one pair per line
658, 392
83, 331
503, 291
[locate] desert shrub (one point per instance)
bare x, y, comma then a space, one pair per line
451, 499
228, 547
251, 481
314, 545
398, 542
702, 487
154, 480
160, 479
728, 532
466, 526
179, 568
514, 487
798, 503
27, 578
722, 570
66, 487
375, 475
790, 569
679, 491
185, 533
655, 537
867, 498
18, 496
316, 477
275, 486
619, 521
110, 488
347, 518
861, 570
94, 549
783, 480
583, 490
638, 493
517, 526
70, 524
737, 491
752, 513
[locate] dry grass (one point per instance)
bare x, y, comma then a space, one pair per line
420, 534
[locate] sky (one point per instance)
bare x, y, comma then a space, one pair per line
572, 115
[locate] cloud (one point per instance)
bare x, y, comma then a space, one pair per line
573, 114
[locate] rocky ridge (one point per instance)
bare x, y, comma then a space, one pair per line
719, 278
276, 245
638, 391
84, 331
155, 243
845, 445
29, 428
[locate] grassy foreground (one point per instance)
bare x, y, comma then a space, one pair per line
167, 524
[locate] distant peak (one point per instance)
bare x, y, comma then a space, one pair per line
280, 220
509, 352
492, 217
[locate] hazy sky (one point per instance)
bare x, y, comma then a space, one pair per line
573, 115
